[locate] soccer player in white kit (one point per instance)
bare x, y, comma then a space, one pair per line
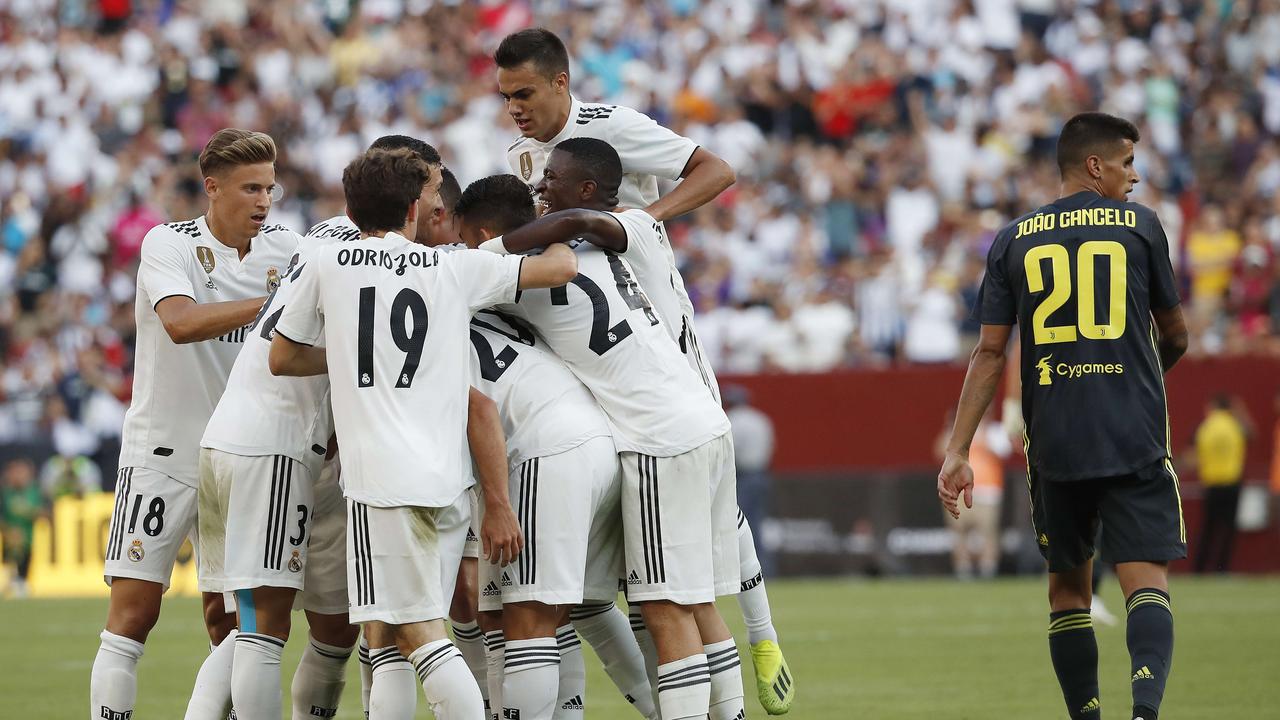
200, 283
533, 77
395, 318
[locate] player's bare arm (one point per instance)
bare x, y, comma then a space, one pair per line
295, 359
596, 227
556, 266
500, 537
187, 321
1172, 329
705, 176
986, 367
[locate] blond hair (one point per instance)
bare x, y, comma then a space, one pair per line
232, 147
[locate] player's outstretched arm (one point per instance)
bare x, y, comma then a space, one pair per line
1173, 335
705, 176
187, 321
595, 226
500, 537
295, 359
985, 369
556, 266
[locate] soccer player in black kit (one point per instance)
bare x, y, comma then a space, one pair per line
1087, 280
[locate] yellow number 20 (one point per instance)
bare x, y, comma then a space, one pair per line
1060, 266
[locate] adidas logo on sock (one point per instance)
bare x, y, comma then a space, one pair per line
1143, 674
491, 590
742, 715
633, 578
573, 703
108, 714
471, 536
506, 580
1091, 706
630, 699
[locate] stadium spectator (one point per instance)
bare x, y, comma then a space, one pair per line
975, 546
1220, 446
20, 504
753, 452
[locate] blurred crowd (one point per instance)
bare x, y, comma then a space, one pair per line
879, 146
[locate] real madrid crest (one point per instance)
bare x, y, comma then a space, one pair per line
273, 279
526, 165
205, 255
295, 562
136, 552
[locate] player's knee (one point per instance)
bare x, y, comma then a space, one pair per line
335, 630
462, 609
217, 620
489, 620
133, 620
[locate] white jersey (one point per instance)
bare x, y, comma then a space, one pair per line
650, 256
396, 318
176, 387
261, 414
648, 151
545, 408
607, 332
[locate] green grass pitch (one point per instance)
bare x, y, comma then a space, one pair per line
892, 650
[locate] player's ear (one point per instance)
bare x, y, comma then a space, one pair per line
1094, 164
561, 82
412, 217
588, 189
210, 186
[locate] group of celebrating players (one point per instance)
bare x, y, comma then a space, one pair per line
367, 441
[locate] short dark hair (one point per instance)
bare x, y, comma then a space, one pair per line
450, 190
498, 203
539, 46
597, 161
1090, 133
424, 150
381, 185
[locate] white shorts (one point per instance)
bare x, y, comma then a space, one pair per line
324, 588
402, 562
679, 517
569, 509
255, 512
153, 514
472, 547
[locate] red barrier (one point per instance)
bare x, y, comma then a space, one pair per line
889, 419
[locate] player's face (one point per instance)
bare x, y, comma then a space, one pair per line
241, 197
1118, 173
559, 188
471, 234
534, 100
429, 205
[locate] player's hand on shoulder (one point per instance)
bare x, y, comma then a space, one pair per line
500, 536
955, 478
556, 265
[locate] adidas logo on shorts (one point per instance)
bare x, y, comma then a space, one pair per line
491, 590
573, 703
506, 580
633, 578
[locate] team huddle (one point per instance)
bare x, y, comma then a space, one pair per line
485, 405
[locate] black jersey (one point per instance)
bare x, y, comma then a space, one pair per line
1080, 276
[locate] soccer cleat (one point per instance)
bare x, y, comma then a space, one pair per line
1099, 611
774, 683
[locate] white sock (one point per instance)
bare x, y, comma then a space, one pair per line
606, 630
650, 651
495, 655
211, 696
393, 688
470, 642
255, 677
450, 688
113, 682
684, 688
366, 675
571, 701
752, 598
318, 681
726, 681
531, 679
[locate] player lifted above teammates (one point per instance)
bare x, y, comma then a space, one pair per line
395, 318
1087, 279
533, 77
200, 283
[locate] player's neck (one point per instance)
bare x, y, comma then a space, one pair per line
562, 119
1074, 185
218, 228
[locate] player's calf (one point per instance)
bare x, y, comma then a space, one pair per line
531, 660
321, 674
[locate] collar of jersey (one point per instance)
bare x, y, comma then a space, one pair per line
1077, 200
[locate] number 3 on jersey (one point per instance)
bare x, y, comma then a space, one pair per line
408, 325
1086, 304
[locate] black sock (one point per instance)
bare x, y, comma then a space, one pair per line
1074, 651
1150, 638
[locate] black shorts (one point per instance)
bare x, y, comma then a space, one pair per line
1140, 514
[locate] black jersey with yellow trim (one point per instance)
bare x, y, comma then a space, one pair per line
1080, 277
